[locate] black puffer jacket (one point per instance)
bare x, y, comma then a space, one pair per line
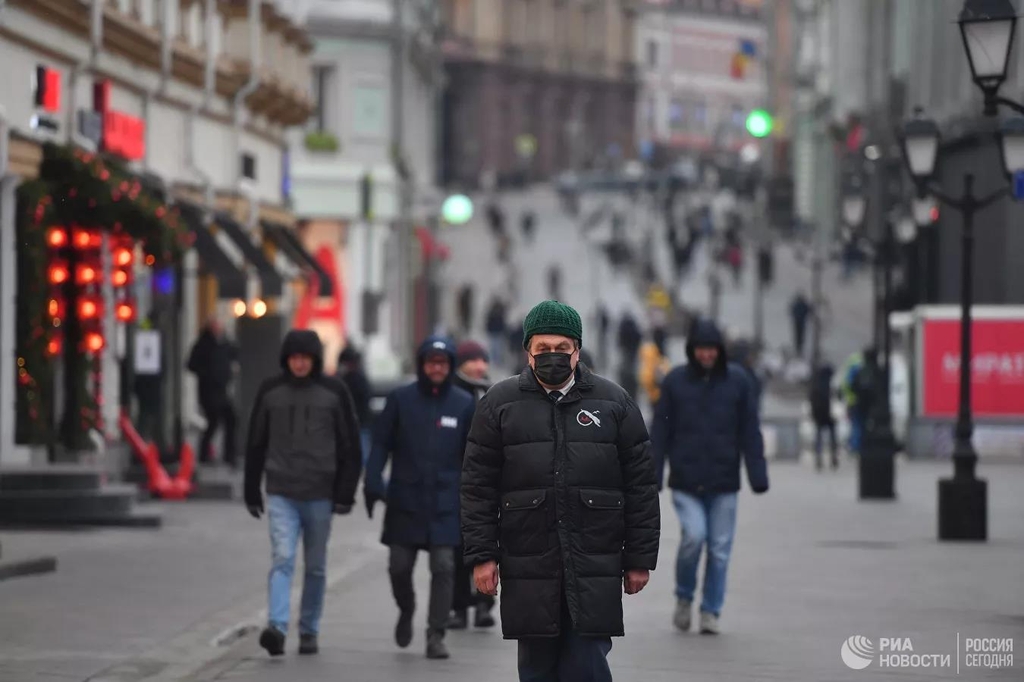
559, 493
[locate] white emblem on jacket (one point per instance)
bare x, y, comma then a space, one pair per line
449, 423
586, 418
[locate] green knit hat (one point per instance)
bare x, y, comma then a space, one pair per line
552, 317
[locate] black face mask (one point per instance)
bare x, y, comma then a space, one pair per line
552, 369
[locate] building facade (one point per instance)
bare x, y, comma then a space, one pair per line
193, 98
862, 67
535, 87
365, 164
702, 68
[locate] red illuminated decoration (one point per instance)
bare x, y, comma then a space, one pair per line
119, 278
88, 308
86, 239
122, 257
125, 312
58, 273
93, 342
85, 274
54, 346
48, 89
57, 238
55, 308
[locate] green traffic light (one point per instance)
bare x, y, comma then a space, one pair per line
457, 209
759, 123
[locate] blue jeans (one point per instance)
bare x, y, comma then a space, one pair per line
566, 658
288, 520
365, 442
706, 519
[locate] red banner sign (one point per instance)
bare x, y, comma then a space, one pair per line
997, 368
123, 134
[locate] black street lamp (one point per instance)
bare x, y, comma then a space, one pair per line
988, 28
963, 499
876, 463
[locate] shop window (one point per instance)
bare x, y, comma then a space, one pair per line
323, 86
676, 114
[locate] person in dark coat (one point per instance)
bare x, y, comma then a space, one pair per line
471, 374
704, 424
353, 375
558, 491
497, 328
423, 430
799, 312
212, 360
303, 435
464, 306
821, 412
629, 340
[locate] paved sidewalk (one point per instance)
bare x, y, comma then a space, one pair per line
811, 567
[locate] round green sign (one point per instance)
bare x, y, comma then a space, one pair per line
457, 209
759, 123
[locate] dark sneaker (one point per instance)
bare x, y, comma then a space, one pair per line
436, 649
403, 629
458, 620
483, 618
308, 644
272, 640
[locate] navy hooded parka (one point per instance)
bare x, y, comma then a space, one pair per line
423, 430
706, 421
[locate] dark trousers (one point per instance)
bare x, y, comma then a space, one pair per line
464, 595
442, 576
218, 414
820, 431
566, 658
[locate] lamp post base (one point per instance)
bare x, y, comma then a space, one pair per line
877, 464
963, 509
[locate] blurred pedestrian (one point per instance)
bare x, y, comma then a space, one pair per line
866, 382
464, 309
304, 436
471, 375
654, 365
497, 330
799, 312
821, 413
848, 373
704, 424
555, 282
352, 373
515, 345
496, 219
422, 430
743, 353
629, 339
604, 324
212, 359
528, 222
558, 442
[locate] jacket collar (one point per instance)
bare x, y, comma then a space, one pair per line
584, 380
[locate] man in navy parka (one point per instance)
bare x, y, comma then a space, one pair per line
423, 430
705, 424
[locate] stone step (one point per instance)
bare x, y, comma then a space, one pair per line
111, 505
50, 478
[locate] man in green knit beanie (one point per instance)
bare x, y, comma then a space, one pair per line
558, 493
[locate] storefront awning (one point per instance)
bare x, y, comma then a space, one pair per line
269, 276
230, 280
286, 240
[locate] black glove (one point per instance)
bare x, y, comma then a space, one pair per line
760, 489
371, 500
342, 509
255, 510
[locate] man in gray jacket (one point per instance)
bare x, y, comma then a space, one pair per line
304, 434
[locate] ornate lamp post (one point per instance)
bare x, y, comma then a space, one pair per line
963, 499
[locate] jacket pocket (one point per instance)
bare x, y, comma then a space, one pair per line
524, 522
604, 521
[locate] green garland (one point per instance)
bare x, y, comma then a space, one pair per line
74, 188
